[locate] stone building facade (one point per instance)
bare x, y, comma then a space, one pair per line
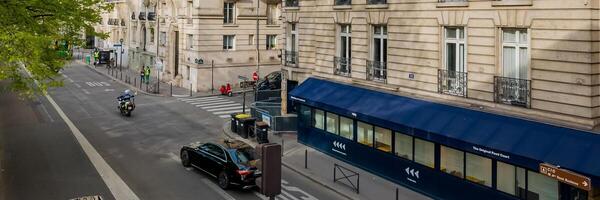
536, 59
202, 44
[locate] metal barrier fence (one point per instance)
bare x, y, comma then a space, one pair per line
351, 174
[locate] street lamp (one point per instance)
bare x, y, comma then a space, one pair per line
121, 59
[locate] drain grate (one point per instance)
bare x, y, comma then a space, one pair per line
95, 197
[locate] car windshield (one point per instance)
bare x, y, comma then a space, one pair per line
244, 155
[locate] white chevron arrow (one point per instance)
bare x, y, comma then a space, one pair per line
407, 170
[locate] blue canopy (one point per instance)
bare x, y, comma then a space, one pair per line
571, 149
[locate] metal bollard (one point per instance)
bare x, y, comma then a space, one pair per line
171, 90
305, 158
134, 82
190, 89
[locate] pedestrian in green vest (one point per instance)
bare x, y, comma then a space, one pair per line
96, 57
147, 75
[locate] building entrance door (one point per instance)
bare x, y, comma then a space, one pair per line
568, 192
194, 78
176, 55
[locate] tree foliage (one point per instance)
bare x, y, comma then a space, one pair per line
29, 32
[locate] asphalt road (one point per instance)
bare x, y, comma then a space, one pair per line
40, 157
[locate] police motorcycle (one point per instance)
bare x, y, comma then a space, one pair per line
126, 103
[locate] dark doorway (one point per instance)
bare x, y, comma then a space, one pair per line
291, 85
176, 54
568, 192
144, 35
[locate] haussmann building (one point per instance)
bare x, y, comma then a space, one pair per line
485, 99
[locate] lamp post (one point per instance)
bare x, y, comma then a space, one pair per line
121, 59
257, 38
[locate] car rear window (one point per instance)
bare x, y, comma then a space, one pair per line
244, 155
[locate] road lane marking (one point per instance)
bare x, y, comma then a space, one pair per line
116, 185
224, 116
205, 102
214, 104
219, 106
198, 99
85, 91
227, 112
227, 108
219, 191
79, 86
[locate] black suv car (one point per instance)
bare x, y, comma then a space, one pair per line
231, 162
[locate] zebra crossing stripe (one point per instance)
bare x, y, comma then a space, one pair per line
227, 108
224, 116
227, 112
220, 106
214, 103
199, 102
198, 99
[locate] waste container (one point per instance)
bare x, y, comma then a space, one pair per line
87, 59
238, 124
234, 122
262, 129
245, 124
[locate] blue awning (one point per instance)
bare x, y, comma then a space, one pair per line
571, 149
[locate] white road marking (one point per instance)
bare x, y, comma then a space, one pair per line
224, 116
227, 108
79, 86
212, 101
181, 95
109, 90
198, 99
71, 80
116, 185
174, 157
85, 91
220, 106
105, 83
214, 104
227, 112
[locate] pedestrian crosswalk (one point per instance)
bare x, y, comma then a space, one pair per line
219, 106
97, 84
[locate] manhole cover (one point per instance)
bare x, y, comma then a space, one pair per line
96, 197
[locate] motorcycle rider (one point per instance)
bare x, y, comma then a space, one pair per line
127, 95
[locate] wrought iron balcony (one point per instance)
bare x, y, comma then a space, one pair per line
376, 71
291, 3
446, 1
133, 15
151, 16
342, 2
142, 16
122, 22
512, 91
342, 66
291, 58
452, 83
374, 2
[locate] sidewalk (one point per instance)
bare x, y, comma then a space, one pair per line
320, 169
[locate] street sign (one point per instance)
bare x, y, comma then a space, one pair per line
199, 61
117, 45
566, 176
243, 78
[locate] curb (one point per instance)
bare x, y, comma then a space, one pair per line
119, 81
306, 175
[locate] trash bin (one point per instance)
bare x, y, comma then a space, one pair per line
245, 124
234, 122
262, 130
87, 59
238, 119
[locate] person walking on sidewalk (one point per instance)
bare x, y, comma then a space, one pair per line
142, 74
96, 57
147, 74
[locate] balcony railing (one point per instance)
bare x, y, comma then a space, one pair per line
512, 91
291, 3
342, 66
151, 16
122, 22
142, 16
452, 83
446, 1
291, 58
133, 15
342, 2
376, 71
374, 2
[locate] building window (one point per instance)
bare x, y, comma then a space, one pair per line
151, 35
342, 2
228, 13
364, 134
305, 114
190, 39
452, 161
541, 186
188, 70
332, 123
272, 14
479, 169
403, 146
377, 67
383, 139
292, 43
343, 61
515, 58
163, 38
319, 119
510, 179
455, 49
425, 153
228, 42
271, 41
347, 128
251, 39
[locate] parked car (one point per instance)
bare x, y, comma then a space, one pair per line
230, 162
271, 81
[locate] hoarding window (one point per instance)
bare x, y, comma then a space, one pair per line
403, 145
521, 190
319, 119
332, 123
365, 134
383, 139
305, 114
347, 128
479, 169
452, 161
425, 153
505, 180
542, 186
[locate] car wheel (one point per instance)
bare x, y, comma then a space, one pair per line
185, 159
223, 180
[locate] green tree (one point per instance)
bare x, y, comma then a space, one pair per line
29, 33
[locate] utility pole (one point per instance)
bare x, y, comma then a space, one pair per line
157, 33
258, 38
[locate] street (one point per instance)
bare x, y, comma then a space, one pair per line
41, 157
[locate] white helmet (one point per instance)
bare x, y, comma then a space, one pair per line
127, 92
